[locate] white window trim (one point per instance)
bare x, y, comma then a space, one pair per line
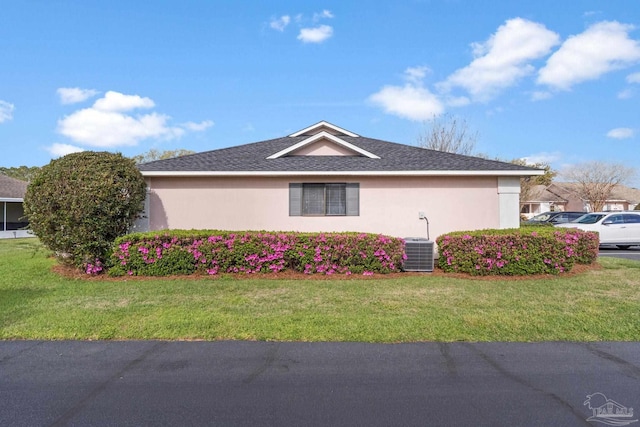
325, 125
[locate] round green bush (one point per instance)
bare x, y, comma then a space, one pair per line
80, 203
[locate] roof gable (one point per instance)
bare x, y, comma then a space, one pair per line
323, 147
323, 127
323, 135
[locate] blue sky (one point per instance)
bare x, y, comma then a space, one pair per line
550, 81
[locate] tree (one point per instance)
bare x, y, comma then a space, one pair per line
23, 173
78, 204
596, 180
448, 134
153, 155
528, 183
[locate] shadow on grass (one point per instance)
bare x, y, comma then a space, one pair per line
15, 304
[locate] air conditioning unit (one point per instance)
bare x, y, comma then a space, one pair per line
419, 253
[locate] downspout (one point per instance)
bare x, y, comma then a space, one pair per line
4, 217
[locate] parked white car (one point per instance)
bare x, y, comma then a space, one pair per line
615, 228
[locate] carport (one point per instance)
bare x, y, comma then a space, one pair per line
12, 221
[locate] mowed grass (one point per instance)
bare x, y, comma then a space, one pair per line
38, 303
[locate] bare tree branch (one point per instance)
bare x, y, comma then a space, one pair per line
448, 134
596, 180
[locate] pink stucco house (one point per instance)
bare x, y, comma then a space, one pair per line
326, 178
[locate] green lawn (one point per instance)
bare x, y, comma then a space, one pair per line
36, 303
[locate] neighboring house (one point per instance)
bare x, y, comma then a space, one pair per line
542, 200
563, 196
622, 197
12, 222
325, 178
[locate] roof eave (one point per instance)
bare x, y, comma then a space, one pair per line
514, 173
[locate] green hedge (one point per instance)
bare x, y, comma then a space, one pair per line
522, 251
78, 204
174, 252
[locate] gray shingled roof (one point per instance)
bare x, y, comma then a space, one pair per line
541, 193
11, 188
394, 157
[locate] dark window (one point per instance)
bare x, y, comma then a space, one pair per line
615, 219
631, 219
574, 216
318, 199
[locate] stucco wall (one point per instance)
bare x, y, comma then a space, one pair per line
388, 205
323, 148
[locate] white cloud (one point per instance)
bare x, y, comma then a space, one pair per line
621, 133
112, 129
457, 101
73, 95
412, 101
626, 94
416, 74
116, 101
633, 78
59, 150
324, 14
503, 59
106, 125
540, 95
198, 127
601, 48
315, 35
279, 24
6, 111
543, 157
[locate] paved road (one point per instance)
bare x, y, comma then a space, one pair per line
68, 383
611, 251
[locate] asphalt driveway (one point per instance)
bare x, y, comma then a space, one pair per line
70, 383
632, 253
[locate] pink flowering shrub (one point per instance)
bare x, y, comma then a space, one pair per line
94, 268
213, 252
152, 255
527, 250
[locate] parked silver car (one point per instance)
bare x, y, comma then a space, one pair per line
615, 228
557, 217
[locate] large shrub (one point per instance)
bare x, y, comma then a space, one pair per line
528, 250
80, 203
212, 252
